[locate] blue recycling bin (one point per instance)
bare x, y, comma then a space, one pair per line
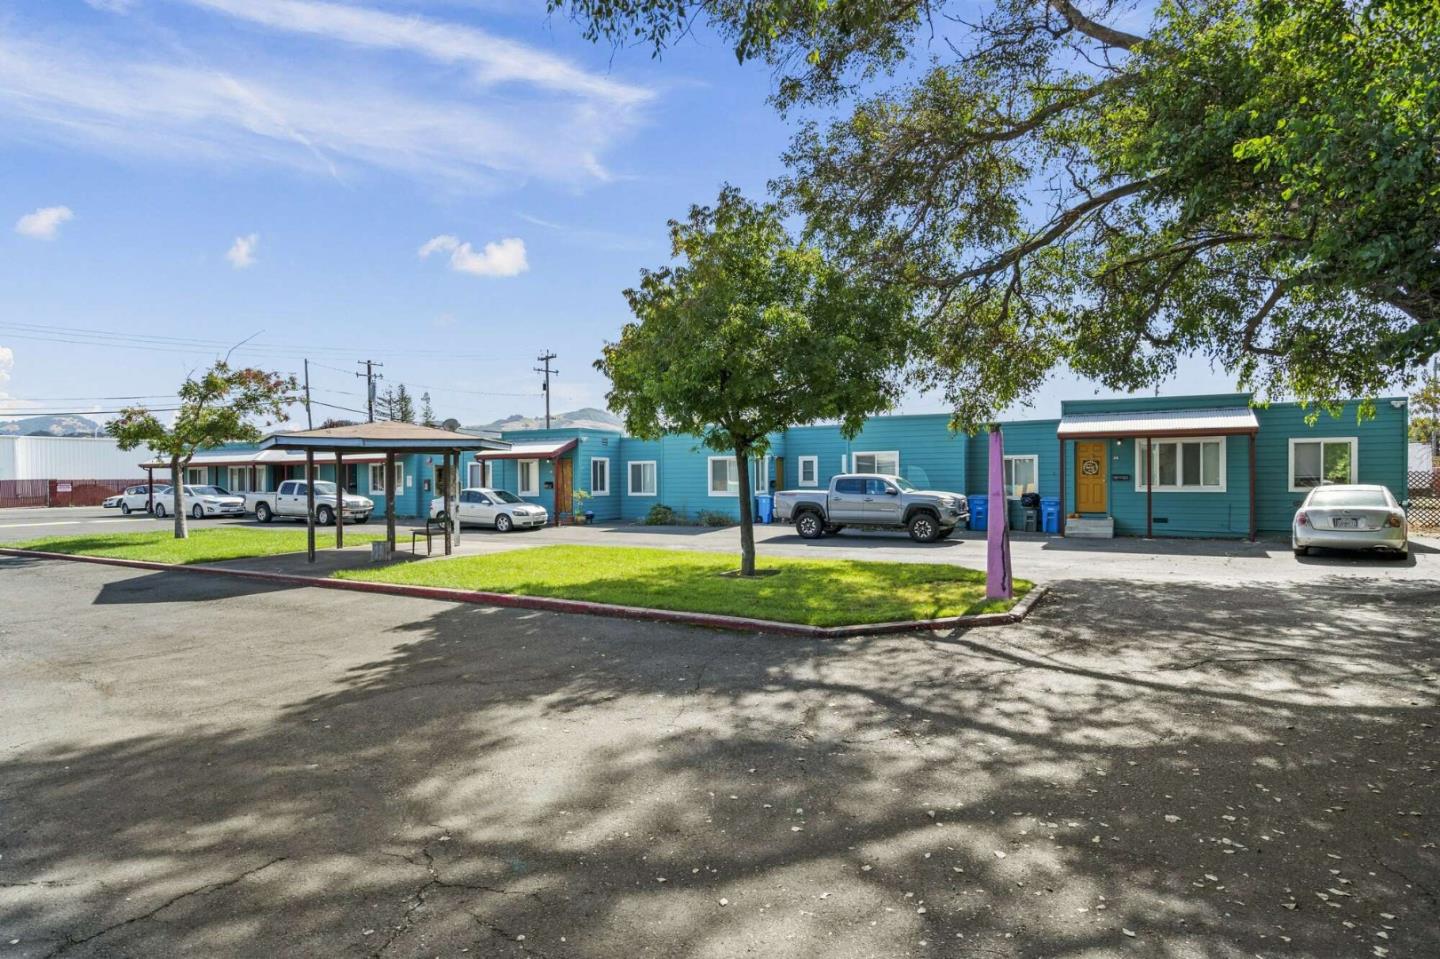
765, 508
1050, 514
979, 510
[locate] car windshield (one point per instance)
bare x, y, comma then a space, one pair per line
1332, 498
206, 491
903, 484
506, 497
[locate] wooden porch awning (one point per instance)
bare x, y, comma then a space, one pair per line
531, 451
1159, 424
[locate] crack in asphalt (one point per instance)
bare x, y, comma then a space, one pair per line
71, 942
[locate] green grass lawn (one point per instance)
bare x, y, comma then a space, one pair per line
203, 546
812, 592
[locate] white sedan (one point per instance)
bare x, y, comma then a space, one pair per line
1350, 517
493, 507
202, 501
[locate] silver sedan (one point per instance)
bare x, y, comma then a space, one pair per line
1350, 517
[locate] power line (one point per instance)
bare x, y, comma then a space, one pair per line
26, 414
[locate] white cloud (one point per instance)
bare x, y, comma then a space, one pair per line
334, 111
503, 258
7, 363
44, 223
112, 6
242, 252
491, 59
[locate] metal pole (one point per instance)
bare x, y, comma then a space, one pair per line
456, 485
545, 358
310, 504
1062, 486
339, 501
1149, 489
150, 484
449, 503
309, 423
390, 501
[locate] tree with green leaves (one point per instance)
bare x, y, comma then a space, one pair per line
750, 334
218, 407
1256, 182
1425, 410
403, 408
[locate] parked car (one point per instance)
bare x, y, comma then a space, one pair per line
876, 501
112, 502
138, 498
202, 501
1350, 517
290, 501
480, 506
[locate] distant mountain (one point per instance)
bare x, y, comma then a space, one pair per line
51, 426
585, 418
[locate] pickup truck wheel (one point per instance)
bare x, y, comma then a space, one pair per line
262, 512
809, 525
324, 516
924, 528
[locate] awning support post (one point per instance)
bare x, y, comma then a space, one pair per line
1062, 486
456, 486
1254, 527
310, 504
339, 501
150, 487
390, 501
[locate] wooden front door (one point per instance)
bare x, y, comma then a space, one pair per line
1090, 477
564, 469
779, 472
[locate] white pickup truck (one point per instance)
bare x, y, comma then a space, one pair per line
290, 501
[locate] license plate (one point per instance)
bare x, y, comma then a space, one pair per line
1346, 522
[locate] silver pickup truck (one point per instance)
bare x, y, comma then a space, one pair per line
291, 501
873, 500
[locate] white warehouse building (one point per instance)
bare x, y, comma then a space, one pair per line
68, 458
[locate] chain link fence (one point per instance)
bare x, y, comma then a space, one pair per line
1424, 495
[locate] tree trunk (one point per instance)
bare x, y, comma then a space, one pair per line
747, 516
177, 496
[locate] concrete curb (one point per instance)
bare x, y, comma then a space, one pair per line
548, 604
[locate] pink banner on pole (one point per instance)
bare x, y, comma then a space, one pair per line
998, 583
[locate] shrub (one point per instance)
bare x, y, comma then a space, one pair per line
710, 517
661, 515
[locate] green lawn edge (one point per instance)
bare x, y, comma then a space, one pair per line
808, 592
202, 545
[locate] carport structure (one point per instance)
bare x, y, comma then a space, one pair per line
392, 439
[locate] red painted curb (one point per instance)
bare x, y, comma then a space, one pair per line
583, 607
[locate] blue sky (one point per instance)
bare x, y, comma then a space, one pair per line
400, 181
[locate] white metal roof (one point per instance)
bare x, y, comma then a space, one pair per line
263, 458
545, 450
1220, 420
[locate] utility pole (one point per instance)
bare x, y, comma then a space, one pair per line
545, 358
369, 375
309, 423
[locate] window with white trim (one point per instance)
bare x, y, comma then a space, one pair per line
724, 477
377, 478
1022, 475
239, 479
642, 478
600, 476
809, 470
197, 475
529, 481
1322, 461
887, 463
475, 474
1183, 466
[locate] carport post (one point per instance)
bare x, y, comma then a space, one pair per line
390, 501
339, 501
449, 504
150, 487
455, 485
310, 504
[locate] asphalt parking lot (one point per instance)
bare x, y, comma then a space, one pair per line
1226, 765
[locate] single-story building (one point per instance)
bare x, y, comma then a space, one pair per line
1218, 466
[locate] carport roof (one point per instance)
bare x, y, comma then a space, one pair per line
256, 458
1217, 421
383, 437
532, 451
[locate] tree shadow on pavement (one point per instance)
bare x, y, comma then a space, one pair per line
1140, 769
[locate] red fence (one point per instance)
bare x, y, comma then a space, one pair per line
89, 492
